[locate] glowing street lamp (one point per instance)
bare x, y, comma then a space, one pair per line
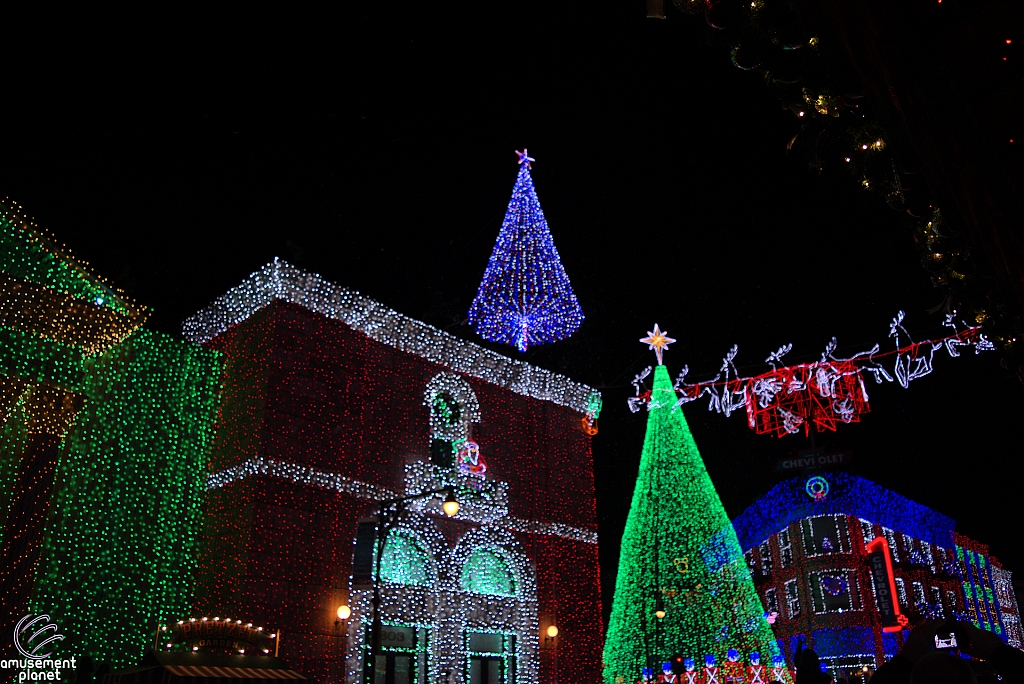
659, 608
451, 504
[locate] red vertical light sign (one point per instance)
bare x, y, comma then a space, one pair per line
880, 565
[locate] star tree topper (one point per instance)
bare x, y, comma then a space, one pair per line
658, 341
525, 158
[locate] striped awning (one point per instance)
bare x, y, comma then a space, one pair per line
204, 674
207, 672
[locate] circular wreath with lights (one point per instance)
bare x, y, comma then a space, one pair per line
816, 487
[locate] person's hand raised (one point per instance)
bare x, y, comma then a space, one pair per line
980, 642
921, 641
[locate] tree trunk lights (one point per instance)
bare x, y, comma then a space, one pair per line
680, 553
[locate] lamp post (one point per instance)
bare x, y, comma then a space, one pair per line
341, 624
388, 514
551, 644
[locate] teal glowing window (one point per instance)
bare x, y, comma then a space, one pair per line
406, 560
486, 572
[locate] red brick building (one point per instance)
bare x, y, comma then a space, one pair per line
333, 402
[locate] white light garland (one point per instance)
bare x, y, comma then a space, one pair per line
479, 512
280, 280
299, 474
480, 501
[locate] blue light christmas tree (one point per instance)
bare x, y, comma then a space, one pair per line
525, 297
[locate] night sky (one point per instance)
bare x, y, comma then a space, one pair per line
375, 146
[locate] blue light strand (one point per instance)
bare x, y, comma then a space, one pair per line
525, 298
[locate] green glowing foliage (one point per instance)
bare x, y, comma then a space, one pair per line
118, 554
679, 542
406, 561
486, 572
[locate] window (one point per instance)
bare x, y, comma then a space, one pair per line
446, 416
492, 658
936, 597
766, 558
1013, 632
785, 548
916, 551
403, 659
901, 591
919, 597
406, 560
771, 601
890, 537
792, 598
866, 531
453, 410
951, 603
749, 558
487, 572
825, 534
831, 591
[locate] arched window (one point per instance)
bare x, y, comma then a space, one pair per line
486, 572
449, 432
406, 560
453, 409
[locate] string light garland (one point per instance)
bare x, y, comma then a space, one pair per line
29, 254
525, 297
327, 410
279, 280
49, 314
363, 490
681, 555
793, 399
217, 635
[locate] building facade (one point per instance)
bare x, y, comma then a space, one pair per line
333, 403
105, 433
805, 542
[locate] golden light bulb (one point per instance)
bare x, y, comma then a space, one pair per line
552, 631
450, 505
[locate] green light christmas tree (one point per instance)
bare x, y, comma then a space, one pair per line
679, 557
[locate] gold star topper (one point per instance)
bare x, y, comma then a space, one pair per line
658, 341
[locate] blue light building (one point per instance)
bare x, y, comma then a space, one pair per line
804, 543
